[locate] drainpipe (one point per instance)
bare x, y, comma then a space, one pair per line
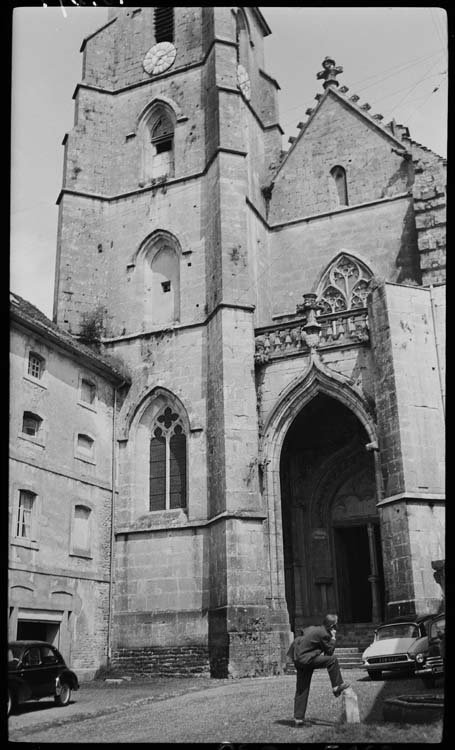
438, 359
111, 559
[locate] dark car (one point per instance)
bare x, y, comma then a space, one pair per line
396, 644
37, 670
430, 663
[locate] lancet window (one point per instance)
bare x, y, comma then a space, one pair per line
168, 461
339, 175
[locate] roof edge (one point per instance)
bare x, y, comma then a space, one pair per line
266, 30
87, 38
63, 340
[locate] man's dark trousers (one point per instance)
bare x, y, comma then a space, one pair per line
304, 675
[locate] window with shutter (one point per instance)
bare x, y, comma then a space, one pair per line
24, 526
31, 423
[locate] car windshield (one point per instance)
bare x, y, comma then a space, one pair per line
398, 630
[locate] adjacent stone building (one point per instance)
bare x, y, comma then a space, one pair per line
63, 400
280, 448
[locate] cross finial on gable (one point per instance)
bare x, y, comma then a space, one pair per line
329, 72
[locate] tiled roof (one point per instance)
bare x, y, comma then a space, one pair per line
28, 314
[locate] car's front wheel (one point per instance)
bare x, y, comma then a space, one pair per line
374, 674
10, 702
65, 695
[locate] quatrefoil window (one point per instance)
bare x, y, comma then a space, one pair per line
168, 417
344, 285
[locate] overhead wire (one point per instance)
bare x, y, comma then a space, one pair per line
252, 158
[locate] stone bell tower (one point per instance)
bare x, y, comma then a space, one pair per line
160, 246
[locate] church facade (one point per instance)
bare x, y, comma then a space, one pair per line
280, 450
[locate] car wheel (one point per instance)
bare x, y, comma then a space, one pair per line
65, 695
10, 702
376, 675
428, 681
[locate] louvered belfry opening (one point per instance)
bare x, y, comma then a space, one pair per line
164, 24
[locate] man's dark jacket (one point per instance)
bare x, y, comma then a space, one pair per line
315, 640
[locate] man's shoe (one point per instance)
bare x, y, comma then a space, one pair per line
339, 689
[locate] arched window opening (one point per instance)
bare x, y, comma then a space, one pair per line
164, 24
344, 285
156, 132
167, 462
162, 140
165, 287
339, 176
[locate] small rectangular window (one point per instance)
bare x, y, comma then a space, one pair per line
88, 391
31, 423
163, 146
85, 445
35, 365
166, 286
24, 514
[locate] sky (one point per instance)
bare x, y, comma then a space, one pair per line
394, 58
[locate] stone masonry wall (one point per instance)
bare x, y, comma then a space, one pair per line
336, 135
413, 441
382, 236
411, 444
429, 193
114, 55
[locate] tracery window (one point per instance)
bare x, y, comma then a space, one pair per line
344, 286
167, 462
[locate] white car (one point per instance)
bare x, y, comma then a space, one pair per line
395, 646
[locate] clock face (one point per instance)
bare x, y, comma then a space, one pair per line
243, 80
159, 58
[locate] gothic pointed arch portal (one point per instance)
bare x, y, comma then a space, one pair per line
331, 540
321, 487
